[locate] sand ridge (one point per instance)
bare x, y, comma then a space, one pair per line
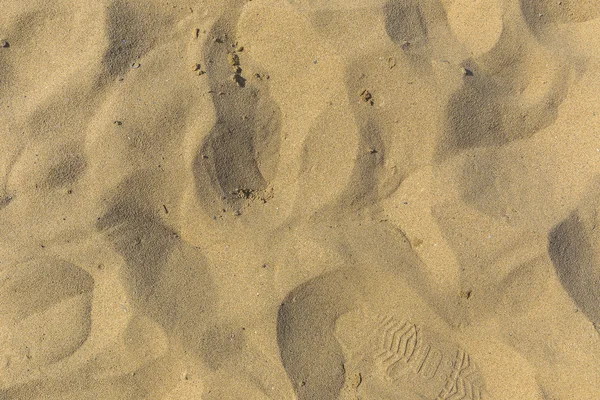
299, 199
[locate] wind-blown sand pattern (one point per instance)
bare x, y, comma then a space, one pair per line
300, 199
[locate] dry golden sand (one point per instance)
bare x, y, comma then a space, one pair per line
310, 199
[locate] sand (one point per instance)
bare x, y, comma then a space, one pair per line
300, 199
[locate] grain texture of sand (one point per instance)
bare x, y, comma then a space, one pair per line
300, 199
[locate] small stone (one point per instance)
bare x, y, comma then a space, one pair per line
5, 44
466, 72
391, 62
136, 65
195, 67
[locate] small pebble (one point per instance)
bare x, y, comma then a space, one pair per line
391, 62
5, 44
467, 72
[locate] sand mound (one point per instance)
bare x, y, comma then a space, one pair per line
382, 199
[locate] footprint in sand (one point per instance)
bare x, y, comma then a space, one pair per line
45, 317
399, 360
237, 157
331, 347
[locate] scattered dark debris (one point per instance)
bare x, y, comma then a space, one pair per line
244, 193
466, 294
260, 77
366, 96
5, 200
237, 47
253, 195
405, 45
233, 59
165, 208
198, 69
118, 123
218, 40
373, 151
197, 33
238, 213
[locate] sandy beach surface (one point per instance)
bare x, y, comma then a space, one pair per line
300, 199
